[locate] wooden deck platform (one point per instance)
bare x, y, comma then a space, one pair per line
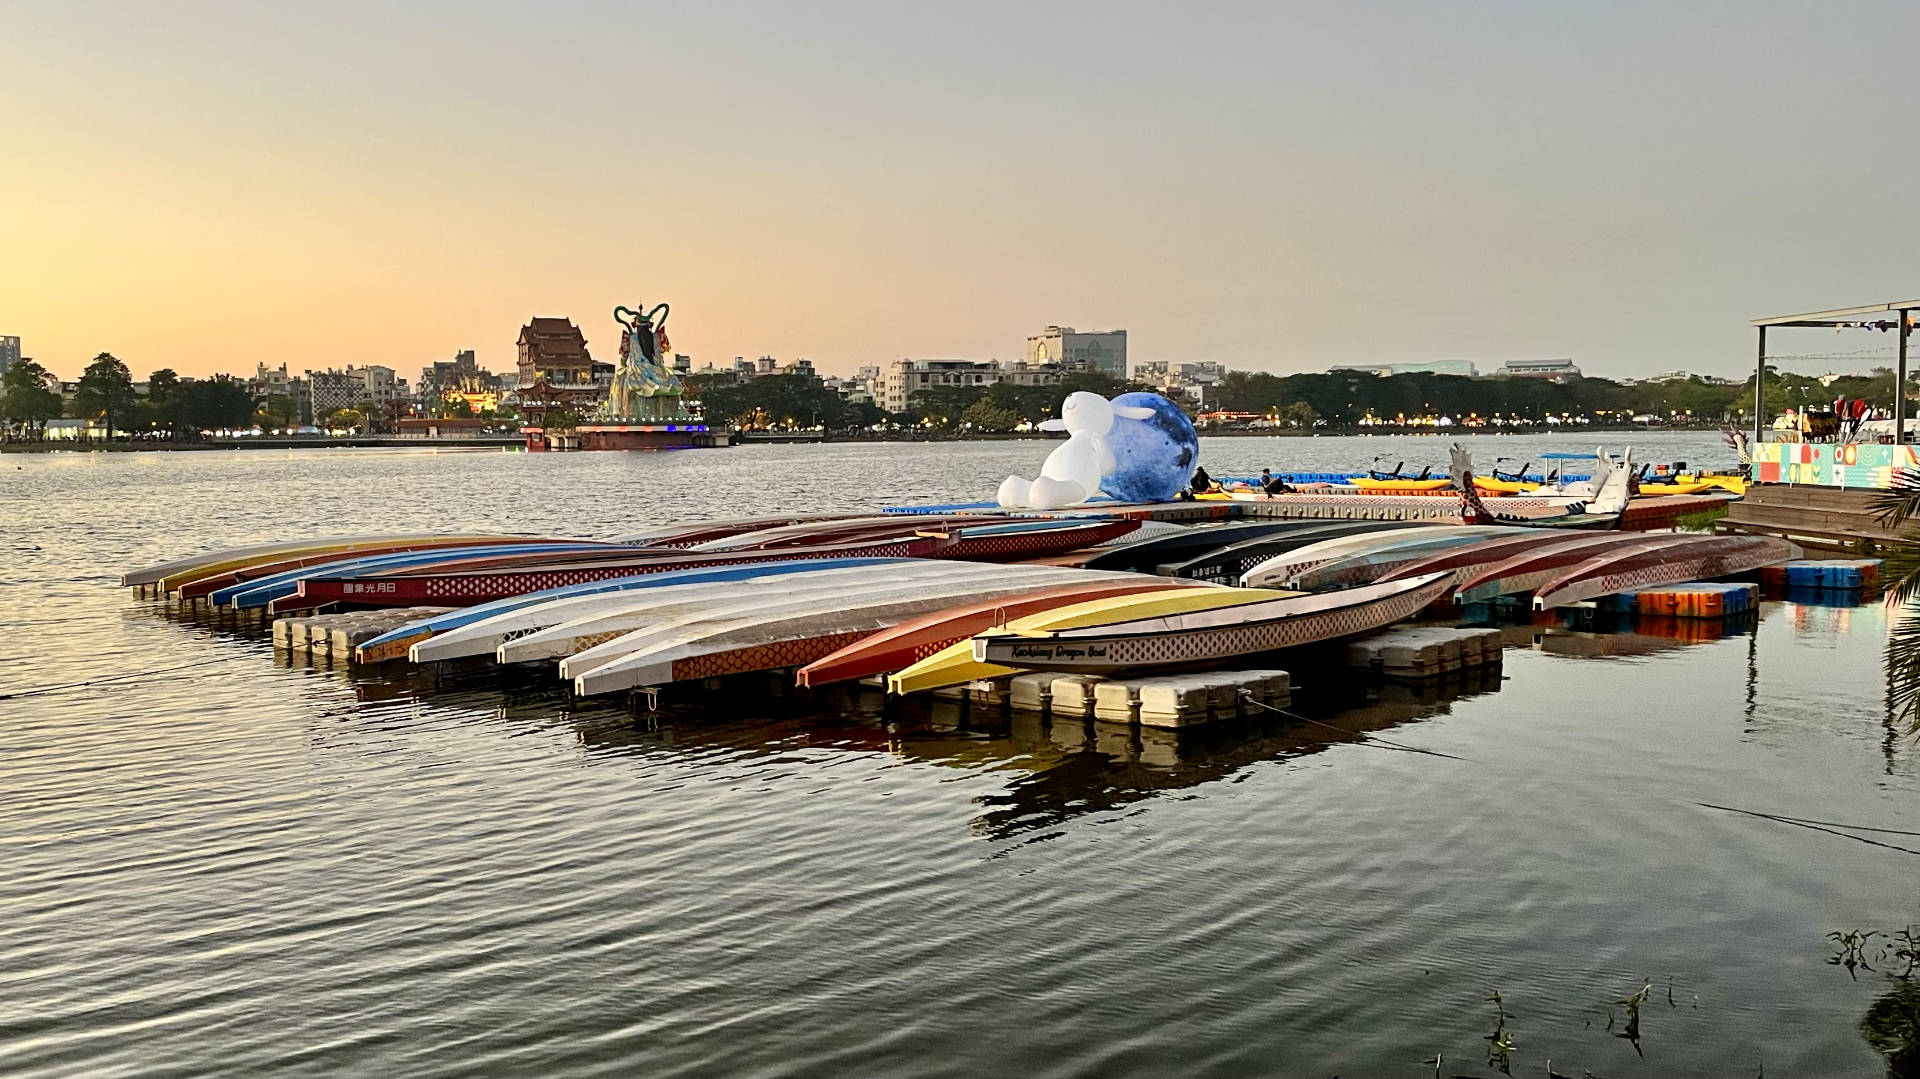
1837, 518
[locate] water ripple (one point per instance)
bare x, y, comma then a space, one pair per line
247, 868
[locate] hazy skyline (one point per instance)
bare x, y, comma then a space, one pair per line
206, 186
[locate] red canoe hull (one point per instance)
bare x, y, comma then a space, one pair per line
909, 642
467, 589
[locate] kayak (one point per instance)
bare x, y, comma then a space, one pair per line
1397, 487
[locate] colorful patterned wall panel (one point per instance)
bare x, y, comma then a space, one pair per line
1850, 464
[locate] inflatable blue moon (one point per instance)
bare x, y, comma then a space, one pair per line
1153, 458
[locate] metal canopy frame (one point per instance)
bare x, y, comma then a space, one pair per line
1837, 319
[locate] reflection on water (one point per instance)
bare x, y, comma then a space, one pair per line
1055, 768
1892, 1027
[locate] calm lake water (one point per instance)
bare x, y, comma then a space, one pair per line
238, 868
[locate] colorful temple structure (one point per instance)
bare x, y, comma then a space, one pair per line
642, 408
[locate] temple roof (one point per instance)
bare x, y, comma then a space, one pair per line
554, 337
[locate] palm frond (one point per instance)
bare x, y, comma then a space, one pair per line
1900, 501
1896, 508
1900, 569
1903, 665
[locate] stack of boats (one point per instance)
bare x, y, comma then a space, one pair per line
923, 602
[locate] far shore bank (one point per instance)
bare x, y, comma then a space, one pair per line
784, 438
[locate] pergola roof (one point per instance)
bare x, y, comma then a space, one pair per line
1839, 316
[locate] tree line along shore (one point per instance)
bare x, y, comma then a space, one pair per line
178, 411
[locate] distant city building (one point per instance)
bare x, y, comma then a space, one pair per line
894, 388
1558, 369
464, 378
1022, 373
270, 382
863, 387
1193, 381
333, 390
1431, 367
856, 390
383, 389
1100, 351
908, 377
373, 389
9, 352
798, 367
1711, 380
554, 350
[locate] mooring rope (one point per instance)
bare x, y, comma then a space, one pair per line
41, 691
1829, 827
1376, 740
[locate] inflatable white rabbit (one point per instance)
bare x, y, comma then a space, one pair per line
1072, 472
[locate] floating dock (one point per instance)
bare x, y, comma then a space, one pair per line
328, 636
1425, 651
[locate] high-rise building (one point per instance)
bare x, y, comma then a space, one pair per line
1099, 351
9, 352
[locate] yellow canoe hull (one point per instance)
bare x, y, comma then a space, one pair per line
1409, 487
1649, 489
1735, 484
1504, 487
955, 665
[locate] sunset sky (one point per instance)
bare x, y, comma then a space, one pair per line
1274, 186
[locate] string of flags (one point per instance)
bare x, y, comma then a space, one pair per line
1877, 324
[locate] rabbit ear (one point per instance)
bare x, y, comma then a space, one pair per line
1133, 412
1053, 425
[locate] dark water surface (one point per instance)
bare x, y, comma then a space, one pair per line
242, 869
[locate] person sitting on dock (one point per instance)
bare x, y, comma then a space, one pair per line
1200, 483
1272, 484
